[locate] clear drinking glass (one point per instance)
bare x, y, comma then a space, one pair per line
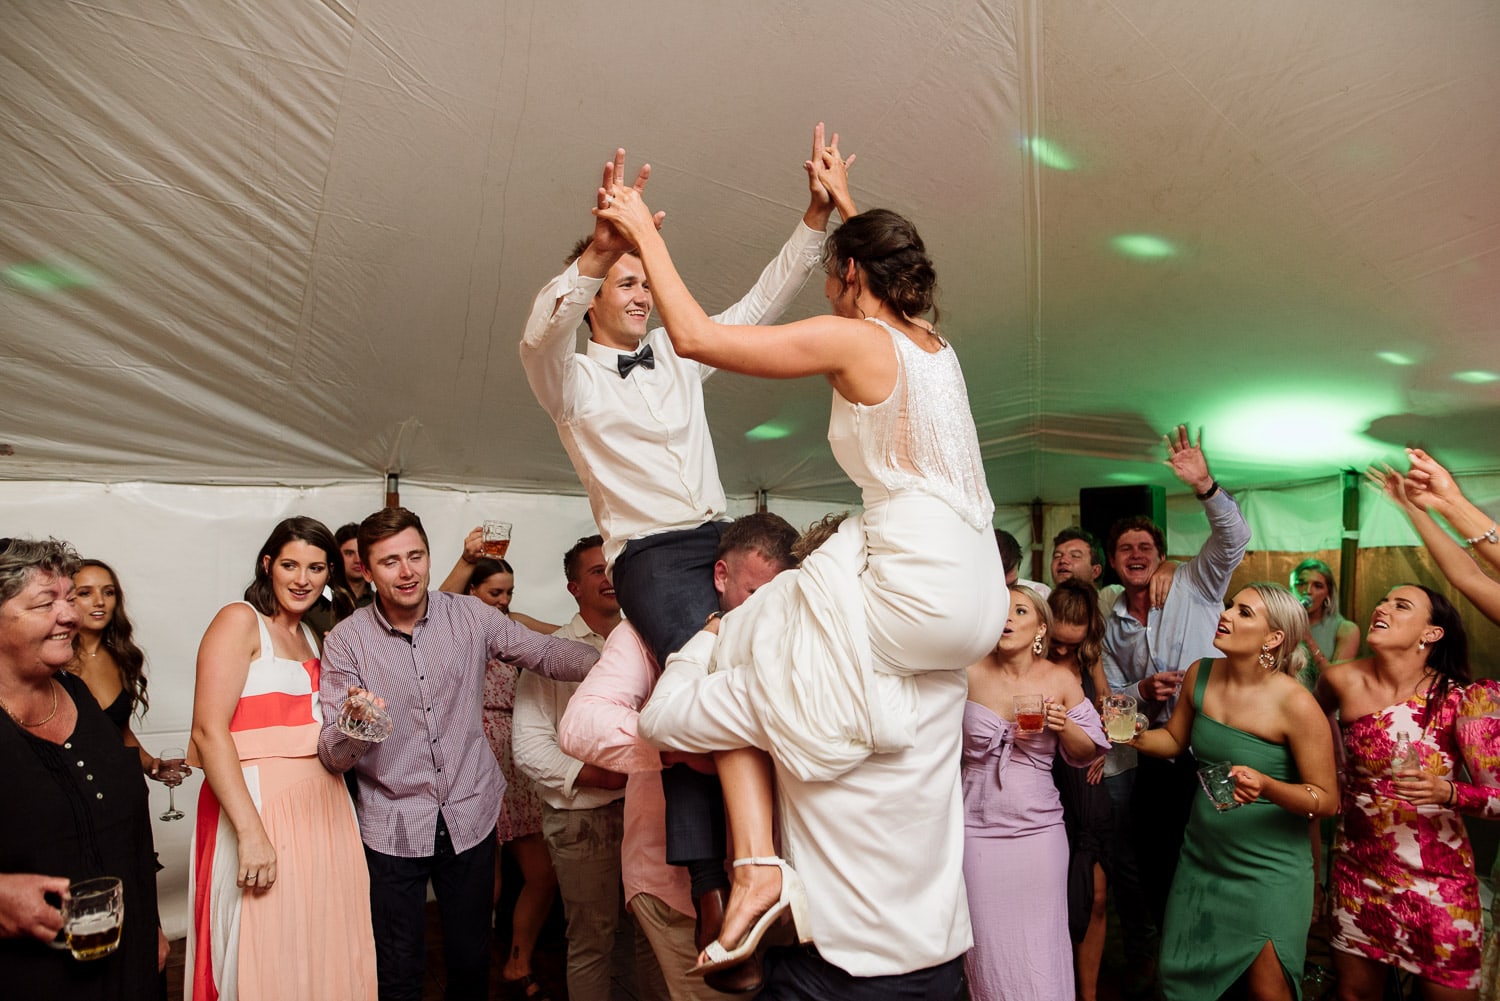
92, 916
171, 772
362, 718
495, 539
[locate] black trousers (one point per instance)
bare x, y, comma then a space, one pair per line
665, 583
799, 974
462, 883
1159, 809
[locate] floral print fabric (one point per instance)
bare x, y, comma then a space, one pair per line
1404, 888
521, 810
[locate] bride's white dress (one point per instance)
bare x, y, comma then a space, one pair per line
914, 584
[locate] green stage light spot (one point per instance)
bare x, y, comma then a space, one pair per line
41, 277
769, 431
1143, 245
1476, 377
1395, 358
1128, 478
1310, 430
1049, 154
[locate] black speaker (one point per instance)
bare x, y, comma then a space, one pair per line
1100, 507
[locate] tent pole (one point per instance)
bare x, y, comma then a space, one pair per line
392, 489
1038, 527
1349, 544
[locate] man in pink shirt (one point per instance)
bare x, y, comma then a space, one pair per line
599, 727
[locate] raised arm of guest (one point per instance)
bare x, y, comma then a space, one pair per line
457, 581
1415, 497
1432, 486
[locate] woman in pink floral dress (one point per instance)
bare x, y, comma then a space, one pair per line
1404, 889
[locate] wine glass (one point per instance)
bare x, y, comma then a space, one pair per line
170, 772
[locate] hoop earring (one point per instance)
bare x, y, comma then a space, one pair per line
1265, 659
1037, 645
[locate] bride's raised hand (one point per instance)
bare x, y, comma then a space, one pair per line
828, 172
627, 211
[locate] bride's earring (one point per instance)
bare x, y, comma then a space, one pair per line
1038, 645
1265, 659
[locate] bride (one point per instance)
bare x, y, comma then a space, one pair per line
912, 586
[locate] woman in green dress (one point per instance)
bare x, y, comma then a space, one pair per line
1241, 901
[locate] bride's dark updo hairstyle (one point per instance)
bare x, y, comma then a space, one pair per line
894, 260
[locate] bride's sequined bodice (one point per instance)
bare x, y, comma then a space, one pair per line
921, 437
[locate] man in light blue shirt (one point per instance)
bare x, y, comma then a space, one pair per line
1147, 650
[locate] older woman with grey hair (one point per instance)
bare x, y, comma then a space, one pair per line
79, 798
1241, 900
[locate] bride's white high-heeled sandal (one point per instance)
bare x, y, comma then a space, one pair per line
793, 898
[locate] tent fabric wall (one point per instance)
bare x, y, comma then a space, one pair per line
251, 242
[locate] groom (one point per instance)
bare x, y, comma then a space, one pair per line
630, 414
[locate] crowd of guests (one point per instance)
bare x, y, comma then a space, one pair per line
901, 743
282, 859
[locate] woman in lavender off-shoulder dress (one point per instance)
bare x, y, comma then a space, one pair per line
1015, 845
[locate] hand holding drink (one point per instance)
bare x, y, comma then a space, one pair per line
1218, 784
495, 541
1121, 722
93, 912
170, 772
363, 716
1031, 714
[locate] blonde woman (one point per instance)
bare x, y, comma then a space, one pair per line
1241, 901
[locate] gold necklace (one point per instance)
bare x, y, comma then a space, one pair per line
41, 722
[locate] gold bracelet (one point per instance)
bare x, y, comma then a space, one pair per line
1314, 794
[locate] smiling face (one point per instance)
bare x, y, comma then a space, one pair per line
37, 626
95, 596
1023, 624
298, 575
1135, 558
1243, 627
593, 590
618, 315
1401, 621
399, 570
496, 590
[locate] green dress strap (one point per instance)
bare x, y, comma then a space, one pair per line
1204, 667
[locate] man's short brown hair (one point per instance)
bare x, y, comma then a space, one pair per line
383, 524
768, 534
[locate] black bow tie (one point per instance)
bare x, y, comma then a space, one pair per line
644, 357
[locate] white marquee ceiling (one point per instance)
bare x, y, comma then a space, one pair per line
293, 242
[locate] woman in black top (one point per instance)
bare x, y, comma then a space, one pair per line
78, 800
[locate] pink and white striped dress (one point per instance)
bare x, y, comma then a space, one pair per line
309, 935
